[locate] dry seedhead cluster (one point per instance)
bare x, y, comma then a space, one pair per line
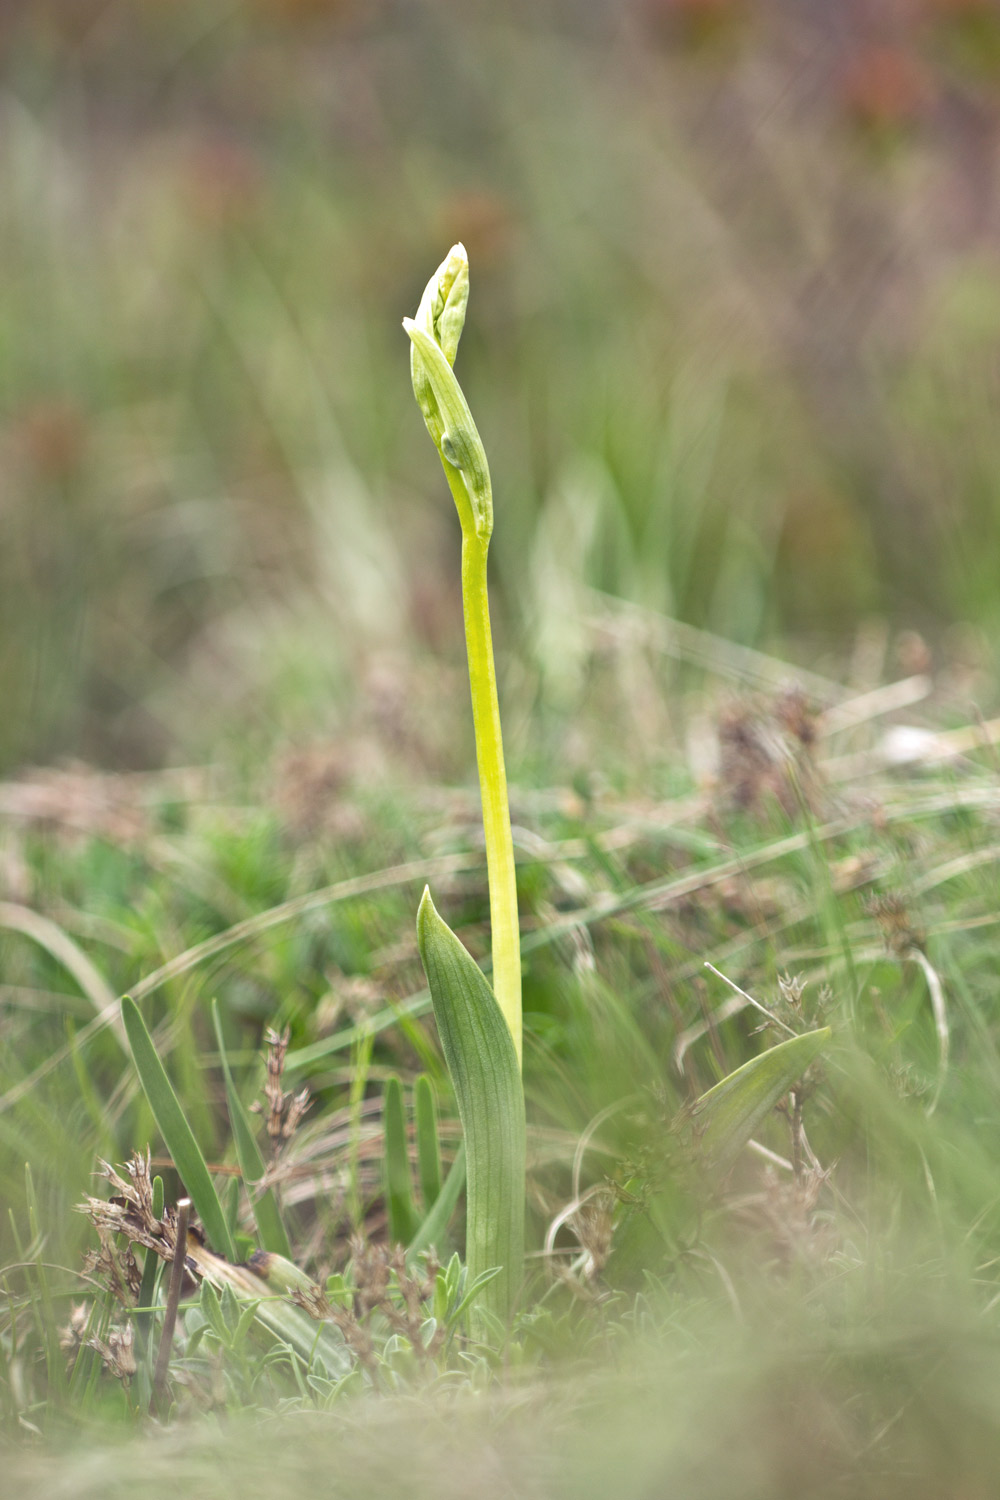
129, 1214
767, 755
381, 1282
285, 1111
383, 1295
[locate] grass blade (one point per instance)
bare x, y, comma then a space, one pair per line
484, 1070
176, 1132
266, 1282
398, 1184
44, 1309
434, 1228
428, 1143
150, 1273
726, 1117
266, 1212
48, 935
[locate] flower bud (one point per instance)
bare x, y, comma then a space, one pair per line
441, 315
434, 335
442, 307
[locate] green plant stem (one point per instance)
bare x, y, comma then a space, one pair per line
492, 785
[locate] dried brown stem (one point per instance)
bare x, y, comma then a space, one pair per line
161, 1394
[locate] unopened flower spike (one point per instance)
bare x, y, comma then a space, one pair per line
434, 336
435, 333
442, 307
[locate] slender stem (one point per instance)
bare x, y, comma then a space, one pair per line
492, 784
161, 1388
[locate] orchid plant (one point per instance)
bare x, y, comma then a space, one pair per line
479, 1023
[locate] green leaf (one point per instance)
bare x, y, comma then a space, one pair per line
267, 1214
434, 1228
244, 1324
726, 1117
428, 1144
262, 1283
176, 1132
230, 1200
480, 1054
150, 1271
398, 1184
211, 1309
475, 1290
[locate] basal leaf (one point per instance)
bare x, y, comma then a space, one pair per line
484, 1070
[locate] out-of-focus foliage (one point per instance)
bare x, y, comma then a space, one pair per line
733, 348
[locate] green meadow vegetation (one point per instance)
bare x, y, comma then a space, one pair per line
623, 1120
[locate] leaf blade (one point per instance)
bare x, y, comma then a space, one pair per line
428, 1141
398, 1183
728, 1114
483, 1064
432, 1231
177, 1134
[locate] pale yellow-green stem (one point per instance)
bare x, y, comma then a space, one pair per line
490, 762
492, 786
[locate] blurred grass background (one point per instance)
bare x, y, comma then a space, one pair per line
732, 343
